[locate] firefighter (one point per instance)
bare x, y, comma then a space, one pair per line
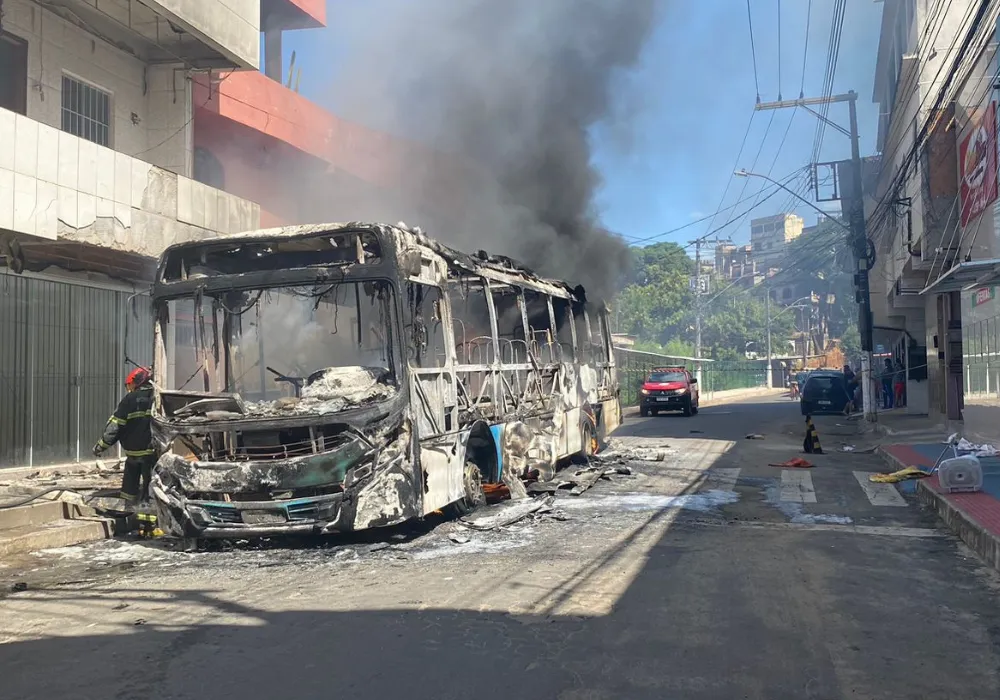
130, 427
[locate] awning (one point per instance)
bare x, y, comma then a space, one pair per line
965, 275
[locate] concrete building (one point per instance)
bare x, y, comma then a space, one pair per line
95, 179
933, 217
733, 262
126, 126
256, 136
769, 237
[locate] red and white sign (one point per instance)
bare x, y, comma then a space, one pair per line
977, 154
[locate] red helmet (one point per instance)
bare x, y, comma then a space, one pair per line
136, 378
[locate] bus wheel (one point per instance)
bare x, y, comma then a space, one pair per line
472, 480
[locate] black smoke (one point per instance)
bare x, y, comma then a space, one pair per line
514, 87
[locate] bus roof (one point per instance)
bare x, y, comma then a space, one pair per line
497, 267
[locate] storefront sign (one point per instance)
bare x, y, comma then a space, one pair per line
983, 295
977, 157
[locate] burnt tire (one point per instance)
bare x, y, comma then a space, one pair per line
474, 497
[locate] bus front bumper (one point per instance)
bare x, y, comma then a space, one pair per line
249, 519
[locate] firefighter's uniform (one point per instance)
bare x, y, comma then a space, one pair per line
130, 427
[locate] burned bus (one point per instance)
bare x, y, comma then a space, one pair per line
330, 378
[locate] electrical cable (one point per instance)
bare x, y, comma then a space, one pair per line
805, 51
880, 213
779, 50
753, 52
640, 239
34, 497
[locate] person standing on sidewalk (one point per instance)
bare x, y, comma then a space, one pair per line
887, 381
899, 385
129, 426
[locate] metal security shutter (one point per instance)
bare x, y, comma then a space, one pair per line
62, 369
15, 371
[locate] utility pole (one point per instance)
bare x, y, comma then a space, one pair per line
858, 234
767, 312
697, 309
805, 336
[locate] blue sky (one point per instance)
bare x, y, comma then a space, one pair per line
681, 114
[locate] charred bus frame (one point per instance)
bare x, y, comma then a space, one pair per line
494, 375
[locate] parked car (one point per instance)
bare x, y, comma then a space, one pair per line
669, 389
825, 391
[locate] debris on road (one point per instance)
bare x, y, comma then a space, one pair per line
578, 481
458, 538
984, 450
794, 463
897, 476
754, 436
847, 448
505, 513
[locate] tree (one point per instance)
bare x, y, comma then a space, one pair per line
657, 306
653, 305
850, 343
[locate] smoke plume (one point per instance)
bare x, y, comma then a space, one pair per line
513, 87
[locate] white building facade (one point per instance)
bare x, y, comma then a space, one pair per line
96, 161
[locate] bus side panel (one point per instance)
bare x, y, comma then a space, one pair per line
442, 462
611, 411
571, 441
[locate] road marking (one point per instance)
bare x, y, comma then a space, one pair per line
723, 479
797, 486
880, 494
885, 531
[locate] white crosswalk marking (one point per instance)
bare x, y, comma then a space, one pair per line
724, 479
797, 486
880, 494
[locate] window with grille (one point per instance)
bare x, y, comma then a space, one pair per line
86, 111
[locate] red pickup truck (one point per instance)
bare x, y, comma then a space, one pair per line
669, 389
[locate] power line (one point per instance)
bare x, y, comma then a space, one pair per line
779, 50
638, 239
805, 52
832, 56
739, 155
753, 51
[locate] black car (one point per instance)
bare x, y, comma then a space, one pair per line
825, 391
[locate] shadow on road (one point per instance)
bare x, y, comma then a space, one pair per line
676, 609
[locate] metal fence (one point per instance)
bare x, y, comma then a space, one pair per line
62, 365
634, 366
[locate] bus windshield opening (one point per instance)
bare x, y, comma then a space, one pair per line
282, 350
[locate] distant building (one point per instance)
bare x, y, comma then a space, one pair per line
770, 236
733, 261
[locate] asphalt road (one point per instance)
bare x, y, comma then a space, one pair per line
706, 574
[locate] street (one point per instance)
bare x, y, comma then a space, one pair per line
705, 574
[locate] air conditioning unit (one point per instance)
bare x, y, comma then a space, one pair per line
961, 474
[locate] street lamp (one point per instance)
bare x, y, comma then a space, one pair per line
745, 173
767, 311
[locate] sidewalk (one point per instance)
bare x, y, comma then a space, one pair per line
975, 517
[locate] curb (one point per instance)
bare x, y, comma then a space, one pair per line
983, 542
62, 533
